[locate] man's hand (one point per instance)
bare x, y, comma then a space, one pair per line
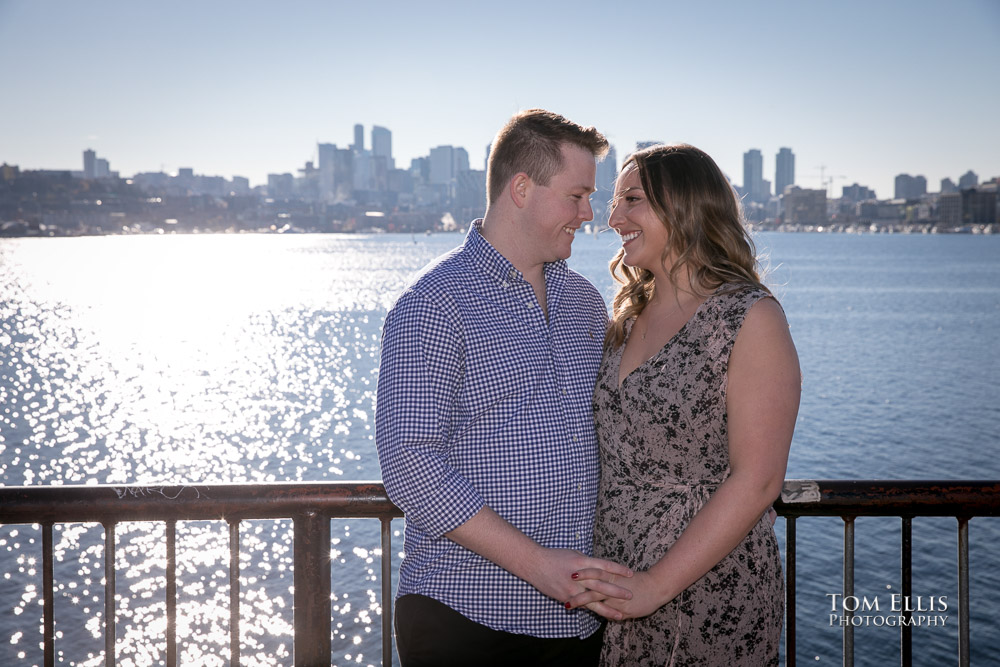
549, 570
600, 598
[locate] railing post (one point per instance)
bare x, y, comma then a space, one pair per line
848, 590
906, 574
386, 591
48, 599
963, 591
171, 530
312, 589
234, 592
109, 594
790, 591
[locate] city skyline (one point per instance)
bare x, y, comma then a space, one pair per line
860, 93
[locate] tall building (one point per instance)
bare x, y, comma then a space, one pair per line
639, 145
948, 186
89, 164
441, 161
968, 180
607, 171
784, 170
910, 187
753, 176
804, 207
446, 162
359, 138
461, 158
857, 193
382, 145
336, 173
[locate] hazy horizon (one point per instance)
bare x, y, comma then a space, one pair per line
860, 92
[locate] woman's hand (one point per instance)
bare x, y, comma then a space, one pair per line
602, 596
551, 572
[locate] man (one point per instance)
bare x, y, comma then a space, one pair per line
484, 421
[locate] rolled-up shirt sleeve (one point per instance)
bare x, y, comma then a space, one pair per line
420, 375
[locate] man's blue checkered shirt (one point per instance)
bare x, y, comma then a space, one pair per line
481, 401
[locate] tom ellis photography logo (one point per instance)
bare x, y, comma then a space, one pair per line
889, 609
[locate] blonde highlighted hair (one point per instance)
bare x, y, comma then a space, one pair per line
706, 233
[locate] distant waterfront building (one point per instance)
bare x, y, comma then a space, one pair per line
280, 186
382, 145
974, 206
910, 187
784, 170
753, 176
102, 169
89, 164
607, 171
420, 170
639, 145
359, 138
241, 185
857, 193
948, 186
968, 180
804, 207
470, 193
336, 173
446, 162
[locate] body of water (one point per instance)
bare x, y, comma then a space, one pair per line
226, 358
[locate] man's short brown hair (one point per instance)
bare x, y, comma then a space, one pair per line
531, 142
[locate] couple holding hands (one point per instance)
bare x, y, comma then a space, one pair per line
579, 490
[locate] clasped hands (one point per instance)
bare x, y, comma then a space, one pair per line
603, 594
607, 588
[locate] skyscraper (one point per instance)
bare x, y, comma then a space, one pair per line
359, 138
382, 144
968, 180
607, 171
784, 170
89, 164
753, 176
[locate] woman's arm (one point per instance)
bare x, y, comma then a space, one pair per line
762, 403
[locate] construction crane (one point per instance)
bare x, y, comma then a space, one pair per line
827, 181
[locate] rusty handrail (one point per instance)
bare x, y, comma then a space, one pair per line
311, 504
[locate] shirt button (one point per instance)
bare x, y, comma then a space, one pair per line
578, 536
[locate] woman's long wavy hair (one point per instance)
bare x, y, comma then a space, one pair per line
706, 234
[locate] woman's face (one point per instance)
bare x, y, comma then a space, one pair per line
644, 237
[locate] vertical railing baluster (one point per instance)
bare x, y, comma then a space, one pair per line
48, 602
312, 613
790, 591
234, 592
109, 594
848, 589
963, 592
386, 590
906, 575
171, 529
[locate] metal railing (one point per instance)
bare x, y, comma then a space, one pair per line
312, 505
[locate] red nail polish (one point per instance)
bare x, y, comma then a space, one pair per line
575, 575
567, 605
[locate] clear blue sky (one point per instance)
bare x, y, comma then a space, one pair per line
867, 89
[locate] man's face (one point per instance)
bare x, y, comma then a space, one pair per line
558, 209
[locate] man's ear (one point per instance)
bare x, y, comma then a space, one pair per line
519, 188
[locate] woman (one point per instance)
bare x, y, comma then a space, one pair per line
695, 406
